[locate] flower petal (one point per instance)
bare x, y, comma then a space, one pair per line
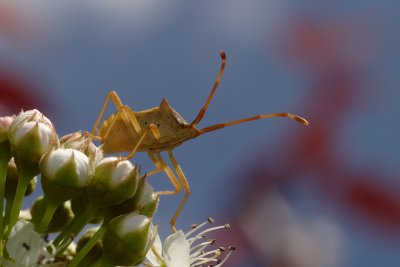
154, 259
24, 244
176, 250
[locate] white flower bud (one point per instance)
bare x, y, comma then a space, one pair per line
128, 239
113, 182
31, 135
5, 123
64, 173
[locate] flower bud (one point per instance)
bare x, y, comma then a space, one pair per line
5, 149
147, 200
128, 238
79, 205
80, 142
65, 173
5, 123
61, 217
31, 135
113, 182
12, 181
144, 202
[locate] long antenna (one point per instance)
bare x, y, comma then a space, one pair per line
217, 81
258, 117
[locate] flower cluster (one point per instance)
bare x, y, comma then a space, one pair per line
81, 186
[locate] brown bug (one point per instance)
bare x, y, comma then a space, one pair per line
129, 131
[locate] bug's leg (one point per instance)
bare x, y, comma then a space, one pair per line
162, 166
153, 129
184, 183
217, 81
258, 117
113, 96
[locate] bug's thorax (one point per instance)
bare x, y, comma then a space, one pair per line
122, 137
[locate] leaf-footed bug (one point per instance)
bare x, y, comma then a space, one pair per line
160, 129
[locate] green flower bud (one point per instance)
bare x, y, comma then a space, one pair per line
12, 181
147, 200
31, 135
61, 217
65, 173
128, 238
79, 205
113, 182
144, 202
97, 250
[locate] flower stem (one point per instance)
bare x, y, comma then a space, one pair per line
48, 215
88, 246
77, 224
7, 213
104, 262
23, 183
3, 175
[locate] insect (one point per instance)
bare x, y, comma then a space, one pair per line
160, 129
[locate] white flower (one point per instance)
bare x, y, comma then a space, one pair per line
26, 246
185, 250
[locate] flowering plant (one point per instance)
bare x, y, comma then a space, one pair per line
81, 186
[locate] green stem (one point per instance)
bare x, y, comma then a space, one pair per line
3, 175
77, 224
7, 212
48, 215
23, 183
104, 262
88, 246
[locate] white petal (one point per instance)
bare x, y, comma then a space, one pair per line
176, 250
151, 257
24, 244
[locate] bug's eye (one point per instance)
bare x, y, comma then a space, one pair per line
158, 125
145, 123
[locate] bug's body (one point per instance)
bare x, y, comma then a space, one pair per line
160, 129
173, 129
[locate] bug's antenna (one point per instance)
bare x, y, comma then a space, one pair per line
258, 117
204, 108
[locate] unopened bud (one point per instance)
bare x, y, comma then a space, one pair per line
144, 202
113, 182
128, 238
31, 135
65, 173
